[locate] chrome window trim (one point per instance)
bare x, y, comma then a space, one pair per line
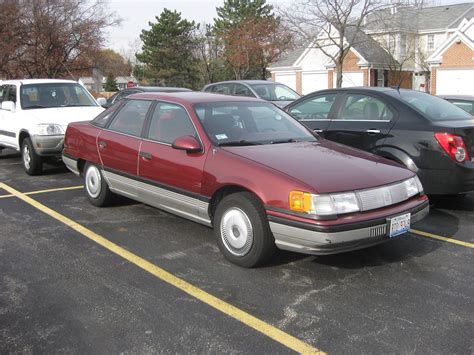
342, 119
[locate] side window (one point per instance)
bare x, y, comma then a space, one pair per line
362, 108
242, 90
3, 92
211, 88
225, 89
130, 118
11, 94
104, 117
315, 108
170, 121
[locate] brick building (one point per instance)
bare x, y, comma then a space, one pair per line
428, 49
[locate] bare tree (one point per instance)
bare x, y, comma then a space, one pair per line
208, 50
331, 26
401, 48
56, 37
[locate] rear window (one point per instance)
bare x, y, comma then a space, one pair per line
433, 108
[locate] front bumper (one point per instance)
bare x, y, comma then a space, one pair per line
48, 145
303, 238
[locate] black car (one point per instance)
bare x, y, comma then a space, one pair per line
136, 89
465, 102
279, 94
427, 134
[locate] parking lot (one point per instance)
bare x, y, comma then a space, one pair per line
133, 279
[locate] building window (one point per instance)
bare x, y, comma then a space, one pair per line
403, 45
430, 42
380, 78
391, 43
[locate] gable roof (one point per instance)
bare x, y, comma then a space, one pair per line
416, 19
366, 48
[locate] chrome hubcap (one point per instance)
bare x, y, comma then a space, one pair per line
26, 157
93, 181
236, 231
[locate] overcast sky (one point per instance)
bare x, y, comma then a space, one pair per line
137, 13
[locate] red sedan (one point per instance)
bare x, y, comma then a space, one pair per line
245, 167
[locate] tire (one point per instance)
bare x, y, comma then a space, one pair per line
242, 230
96, 188
32, 162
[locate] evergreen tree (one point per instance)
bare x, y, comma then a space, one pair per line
234, 12
167, 56
110, 83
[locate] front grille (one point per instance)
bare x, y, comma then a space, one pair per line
378, 197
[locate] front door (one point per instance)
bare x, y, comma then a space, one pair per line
8, 119
169, 178
361, 121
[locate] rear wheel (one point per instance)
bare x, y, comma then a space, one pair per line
32, 162
242, 230
97, 190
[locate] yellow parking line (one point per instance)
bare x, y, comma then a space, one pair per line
444, 239
272, 332
45, 191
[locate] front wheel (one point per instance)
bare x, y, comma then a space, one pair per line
242, 230
97, 190
32, 162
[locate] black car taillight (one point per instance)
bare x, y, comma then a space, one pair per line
453, 145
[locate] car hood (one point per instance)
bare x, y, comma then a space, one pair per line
326, 166
62, 115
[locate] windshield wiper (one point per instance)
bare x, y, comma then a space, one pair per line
237, 143
290, 140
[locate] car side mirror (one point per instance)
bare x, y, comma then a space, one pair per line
8, 106
101, 101
187, 143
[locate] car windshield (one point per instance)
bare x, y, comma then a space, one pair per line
275, 92
249, 123
33, 96
434, 108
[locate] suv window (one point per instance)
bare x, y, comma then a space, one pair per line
11, 94
35, 96
242, 90
170, 121
363, 107
315, 108
3, 92
130, 118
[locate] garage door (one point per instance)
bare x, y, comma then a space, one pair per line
455, 82
314, 82
350, 79
289, 79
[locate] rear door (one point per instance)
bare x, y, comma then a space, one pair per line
119, 145
315, 111
361, 120
171, 178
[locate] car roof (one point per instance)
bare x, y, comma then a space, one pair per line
37, 81
158, 88
192, 97
458, 97
248, 82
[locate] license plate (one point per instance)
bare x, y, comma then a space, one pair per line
399, 225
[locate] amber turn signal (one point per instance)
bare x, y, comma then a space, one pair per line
300, 201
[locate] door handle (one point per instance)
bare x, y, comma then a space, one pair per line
145, 155
373, 131
102, 144
317, 130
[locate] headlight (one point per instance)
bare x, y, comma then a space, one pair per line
49, 129
324, 205
331, 205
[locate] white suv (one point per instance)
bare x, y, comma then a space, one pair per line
34, 115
